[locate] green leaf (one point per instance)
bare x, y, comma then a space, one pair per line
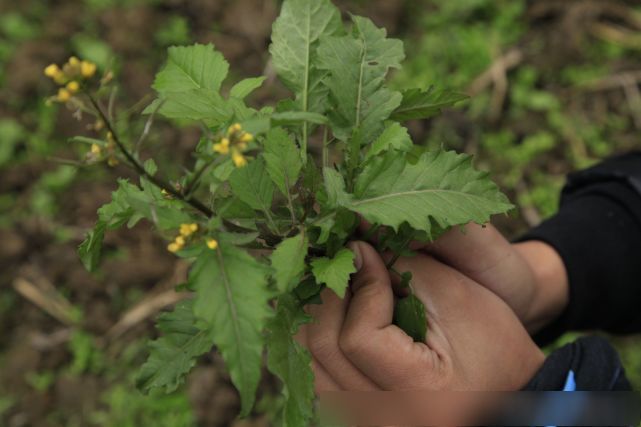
409, 315
334, 189
295, 36
110, 216
441, 186
150, 167
231, 298
358, 65
246, 86
282, 158
394, 137
192, 67
293, 117
419, 104
90, 249
335, 272
197, 104
252, 185
174, 354
288, 262
291, 362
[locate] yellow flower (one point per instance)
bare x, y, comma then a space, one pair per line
52, 70
87, 69
166, 194
74, 62
63, 95
73, 86
95, 149
173, 247
60, 78
222, 147
246, 137
187, 230
180, 240
238, 159
234, 128
212, 244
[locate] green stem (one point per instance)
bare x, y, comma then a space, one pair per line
325, 148
195, 203
271, 223
290, 203
196, 177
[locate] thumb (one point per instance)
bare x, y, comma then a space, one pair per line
376, 347
373, 297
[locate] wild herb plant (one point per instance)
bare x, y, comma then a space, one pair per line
264, 220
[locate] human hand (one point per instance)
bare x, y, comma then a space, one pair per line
529, 276
474, 341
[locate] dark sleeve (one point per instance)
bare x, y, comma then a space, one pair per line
595, 364
597, 233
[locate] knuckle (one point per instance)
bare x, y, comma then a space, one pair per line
353, 342
323, 347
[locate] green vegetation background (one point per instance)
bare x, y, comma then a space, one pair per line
554, 88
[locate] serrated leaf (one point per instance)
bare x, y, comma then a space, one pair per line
295, 36
441, 186
419, 104
150, 167
197, 104
288, 262
246, 86
110, 216
335, 272
394, 137
282, 159
231, 298
357, 66
335, 194
189, 85
409, 315
252, 185
192, 67
291, 362
174, 354
90, 249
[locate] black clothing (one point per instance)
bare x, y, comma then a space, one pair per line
597, 233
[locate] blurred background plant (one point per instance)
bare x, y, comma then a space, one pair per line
554, 85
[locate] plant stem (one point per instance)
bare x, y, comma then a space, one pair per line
195, 203
191, 185
290, 204
270, 222
325, 149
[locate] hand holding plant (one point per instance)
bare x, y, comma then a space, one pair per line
265, 223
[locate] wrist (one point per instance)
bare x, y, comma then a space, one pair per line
551, 289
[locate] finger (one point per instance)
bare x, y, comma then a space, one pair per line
377, 348
485, 256
322, 380
322, 339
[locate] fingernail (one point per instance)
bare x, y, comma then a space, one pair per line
358, 259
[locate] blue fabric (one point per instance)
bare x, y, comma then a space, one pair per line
570, 384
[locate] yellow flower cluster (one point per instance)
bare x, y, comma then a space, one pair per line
234, 143
70, 76
185, 231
